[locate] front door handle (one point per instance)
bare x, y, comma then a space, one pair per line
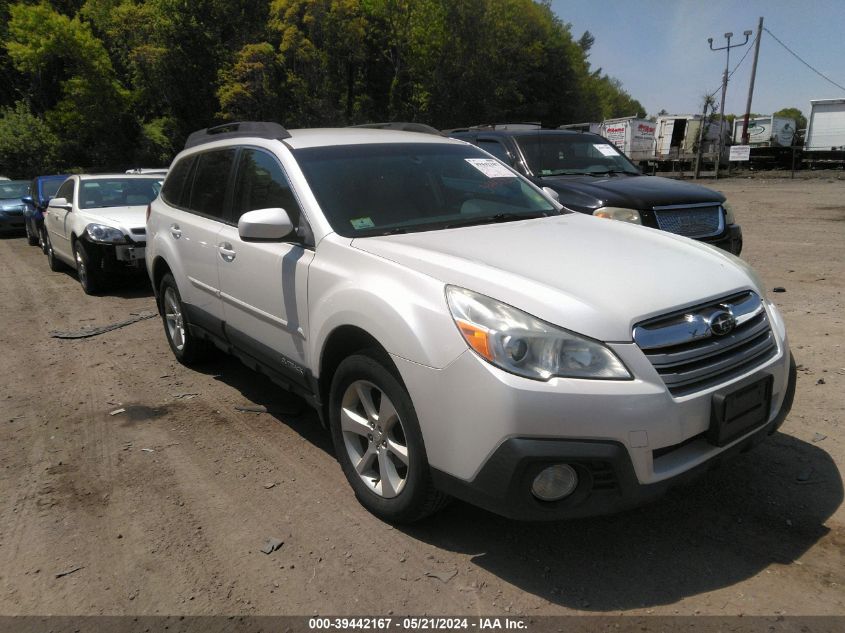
175, 231
226, 251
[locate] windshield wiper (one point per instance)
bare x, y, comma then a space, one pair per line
499, 217
608, 172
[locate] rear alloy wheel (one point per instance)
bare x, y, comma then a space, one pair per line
187, 348
42, 239
90, 278
378, 441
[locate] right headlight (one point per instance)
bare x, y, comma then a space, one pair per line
631, 216
524, 345
104, 233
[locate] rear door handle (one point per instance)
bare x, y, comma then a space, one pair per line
175, 231
226, 251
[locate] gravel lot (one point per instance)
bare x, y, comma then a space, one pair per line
164, 508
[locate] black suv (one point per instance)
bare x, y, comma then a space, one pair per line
591, 176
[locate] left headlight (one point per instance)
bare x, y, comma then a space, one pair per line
103, 233
526, 346
729, 213
631, 216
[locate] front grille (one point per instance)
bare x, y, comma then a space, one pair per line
691, 220
689, 357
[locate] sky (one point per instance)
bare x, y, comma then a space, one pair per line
658, 49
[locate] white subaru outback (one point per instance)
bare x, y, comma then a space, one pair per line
459, 331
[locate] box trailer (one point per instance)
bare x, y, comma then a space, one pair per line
766, 131
824, 141
676, 138
632, 136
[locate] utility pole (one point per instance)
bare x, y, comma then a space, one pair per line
727, 48
751, 85
708, 101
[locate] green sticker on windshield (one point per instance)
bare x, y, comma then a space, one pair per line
361, 223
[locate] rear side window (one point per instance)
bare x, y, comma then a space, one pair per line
208, 192
174, 191
262, 184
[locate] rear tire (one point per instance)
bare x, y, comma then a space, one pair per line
187, 348
378, 441
42, 239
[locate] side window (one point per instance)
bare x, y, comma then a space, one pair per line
174, 190
66, 191
497, 149
262, 184
208, 193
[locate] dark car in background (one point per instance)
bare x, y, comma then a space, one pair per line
41, 190
11, 205
591, 176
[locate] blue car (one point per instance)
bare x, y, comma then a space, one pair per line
41, 190
11, 206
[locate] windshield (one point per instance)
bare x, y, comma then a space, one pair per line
13, 189
571, 154
377, 189
50, 187
118, 192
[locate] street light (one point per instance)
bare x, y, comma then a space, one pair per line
727, 48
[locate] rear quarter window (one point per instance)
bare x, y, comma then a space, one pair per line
174, 192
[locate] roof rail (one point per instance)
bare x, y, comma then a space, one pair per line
237, 129
405, 126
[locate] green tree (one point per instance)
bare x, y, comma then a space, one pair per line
27, 145
793, 113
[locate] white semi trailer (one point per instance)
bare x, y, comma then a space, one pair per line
824, 142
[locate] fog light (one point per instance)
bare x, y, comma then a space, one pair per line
555, 482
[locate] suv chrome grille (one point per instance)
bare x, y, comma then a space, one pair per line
689, 356
691, 220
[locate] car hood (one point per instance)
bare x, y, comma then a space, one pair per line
630, 192
124, 218
593, 276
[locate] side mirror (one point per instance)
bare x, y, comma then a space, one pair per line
28, 200
265, 224
60, 203
552, 194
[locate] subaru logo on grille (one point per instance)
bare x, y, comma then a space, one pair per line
721, 323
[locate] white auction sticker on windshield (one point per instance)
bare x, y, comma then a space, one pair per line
490, 167
606, 150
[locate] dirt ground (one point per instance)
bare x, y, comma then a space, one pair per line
163, 509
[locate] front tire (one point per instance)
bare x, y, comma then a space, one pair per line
378, 442
31, 238
186, 347
90, 277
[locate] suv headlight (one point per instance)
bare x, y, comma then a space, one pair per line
521, 344
729, 213
616, 213
103, 233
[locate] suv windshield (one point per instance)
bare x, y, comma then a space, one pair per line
118, 192
570, 154
403, 187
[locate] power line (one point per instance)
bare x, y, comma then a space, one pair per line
794, 54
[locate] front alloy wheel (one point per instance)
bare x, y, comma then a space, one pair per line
377, 439
186, 346
374, 438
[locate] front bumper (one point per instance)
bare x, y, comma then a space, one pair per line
117, 258
730, 240
607, 481
12, 221
485, 429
